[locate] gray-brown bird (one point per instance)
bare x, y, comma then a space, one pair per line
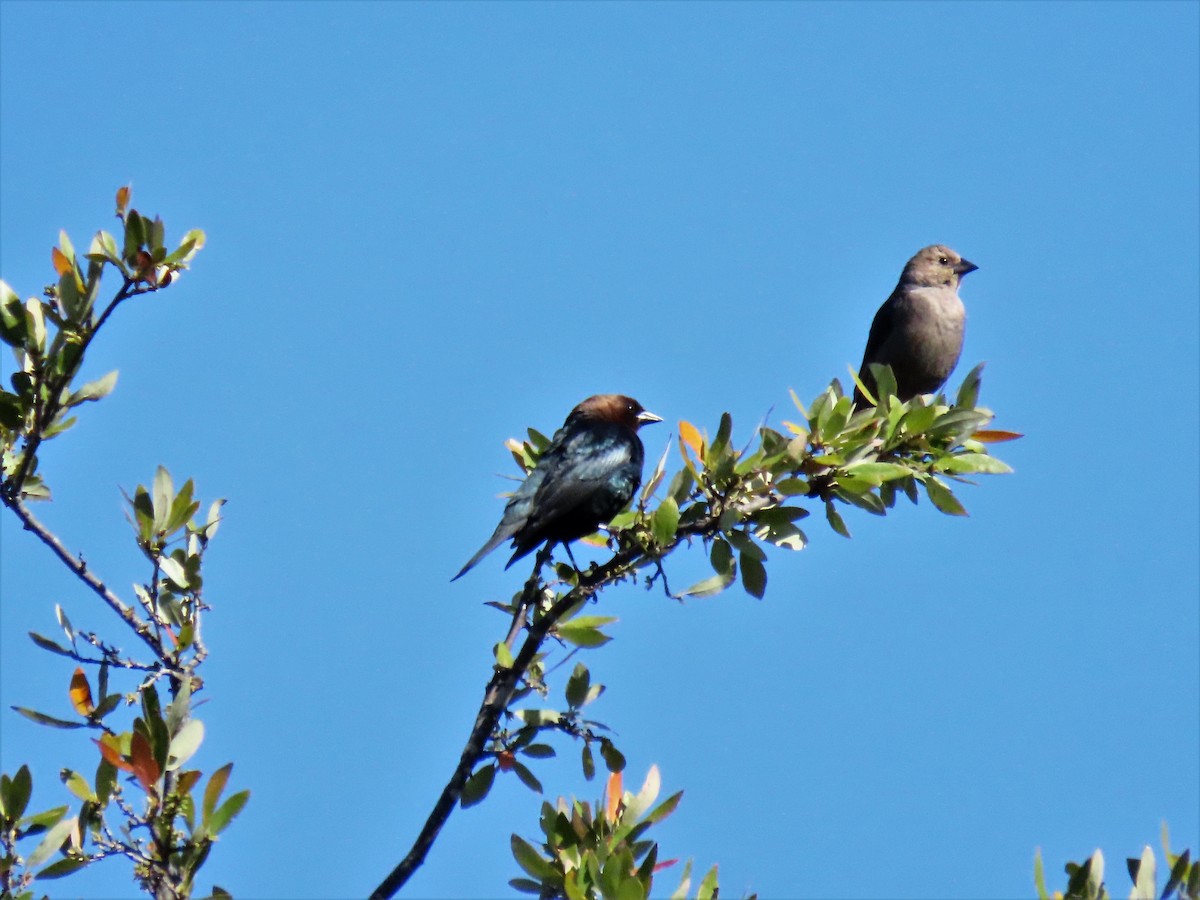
589, 471
919, 329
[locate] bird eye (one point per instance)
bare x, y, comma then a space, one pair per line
945, 261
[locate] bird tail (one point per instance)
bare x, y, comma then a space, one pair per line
502, 534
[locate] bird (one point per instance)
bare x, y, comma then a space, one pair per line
918, 330
589, 471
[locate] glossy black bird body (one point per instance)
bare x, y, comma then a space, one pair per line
918, 330
586, 475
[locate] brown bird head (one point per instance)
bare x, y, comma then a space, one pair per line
936, 266
615, 408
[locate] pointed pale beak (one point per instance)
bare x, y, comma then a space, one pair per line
964, 266
647, 418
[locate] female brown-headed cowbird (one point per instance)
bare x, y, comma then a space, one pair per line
586, 475
919, 329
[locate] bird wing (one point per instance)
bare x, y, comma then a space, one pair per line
588, 460
881, 328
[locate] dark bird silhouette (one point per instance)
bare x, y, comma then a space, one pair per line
586, 475
919, 329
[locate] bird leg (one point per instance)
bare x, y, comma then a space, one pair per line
571, 557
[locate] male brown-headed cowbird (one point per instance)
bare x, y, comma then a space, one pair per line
586, 475
919, 329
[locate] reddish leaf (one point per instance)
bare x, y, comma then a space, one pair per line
505, 760
996, 437
111, 753
145, 767
122, 200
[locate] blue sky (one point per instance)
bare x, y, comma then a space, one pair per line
431, 226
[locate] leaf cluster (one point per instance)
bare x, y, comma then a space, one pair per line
591, 851
50, 335
143, 803
1085, 881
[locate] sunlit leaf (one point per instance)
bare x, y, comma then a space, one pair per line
185, 744
50, 844
81, 693
690, 436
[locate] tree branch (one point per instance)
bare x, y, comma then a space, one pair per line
81, 571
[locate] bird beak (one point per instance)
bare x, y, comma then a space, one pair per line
964, 266
647, 418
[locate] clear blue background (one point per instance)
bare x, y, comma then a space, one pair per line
433, 225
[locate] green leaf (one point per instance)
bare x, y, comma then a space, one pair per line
46, 644
665, 521
164, 494
708, 587
614, 759
50, 843
708, 885
12, 411
1039, 876
94, 390
61, 868
106, 778
1179, 870
39, 822
171, 568
835, 519
581, 635
212, 792
477, 786
43, 719
503, 654
228, 811
941, 497
77, 785
525, 885
664, 809
14, 794
754, 575
538, 716
538, 751
968, 393
962, 463
745, 545
527, 777
790, 487
530, 860
588, 762
877, 472
182, 508
577, 685
885, 382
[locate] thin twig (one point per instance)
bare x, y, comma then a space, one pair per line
47, 537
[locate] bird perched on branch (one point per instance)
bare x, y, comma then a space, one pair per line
586, 475
919, 329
